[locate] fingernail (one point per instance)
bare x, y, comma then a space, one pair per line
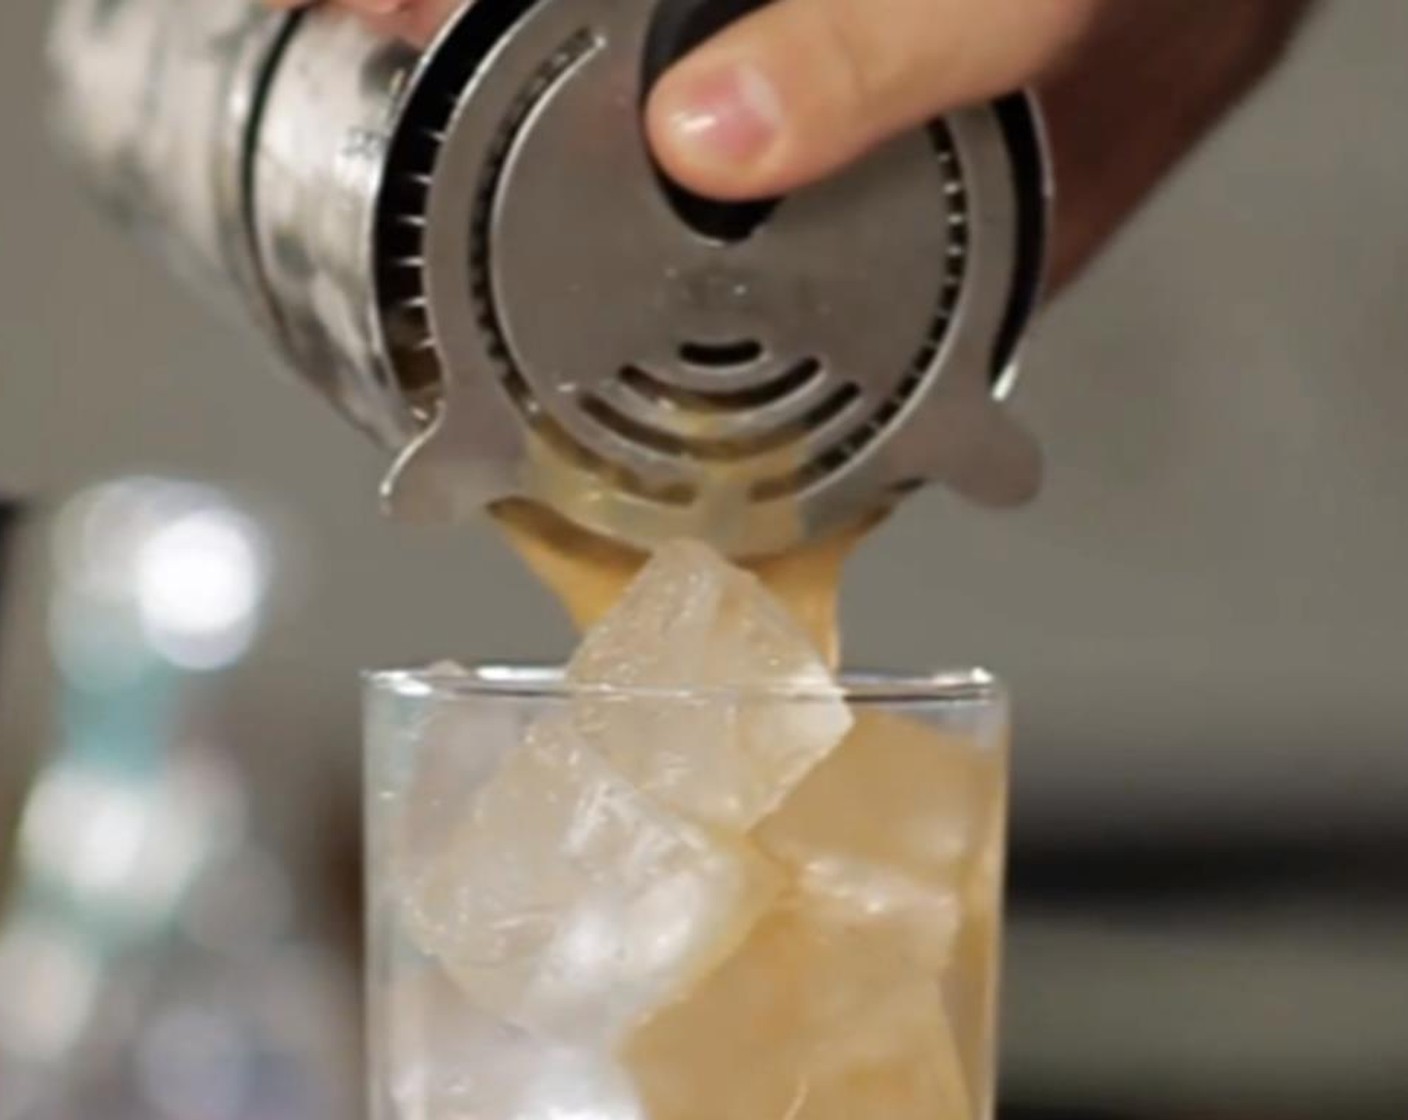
731, 115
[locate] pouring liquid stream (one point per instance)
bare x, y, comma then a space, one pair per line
587, 574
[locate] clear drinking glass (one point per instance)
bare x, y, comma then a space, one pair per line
557, 934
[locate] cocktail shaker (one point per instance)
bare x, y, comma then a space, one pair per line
470, 253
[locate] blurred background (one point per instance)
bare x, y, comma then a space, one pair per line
1203, 621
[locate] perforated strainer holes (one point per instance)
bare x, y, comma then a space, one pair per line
721, 355
795, 382
692, 425
724, 449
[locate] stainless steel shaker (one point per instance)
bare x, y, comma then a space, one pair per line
470, 253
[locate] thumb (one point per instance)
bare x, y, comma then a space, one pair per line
798, 89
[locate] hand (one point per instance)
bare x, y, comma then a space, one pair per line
797, 90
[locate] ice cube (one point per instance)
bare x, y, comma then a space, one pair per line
805, 1022
727, 746
446, 1059
886, 831
445, 751
572, 905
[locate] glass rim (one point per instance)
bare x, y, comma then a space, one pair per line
540, 681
